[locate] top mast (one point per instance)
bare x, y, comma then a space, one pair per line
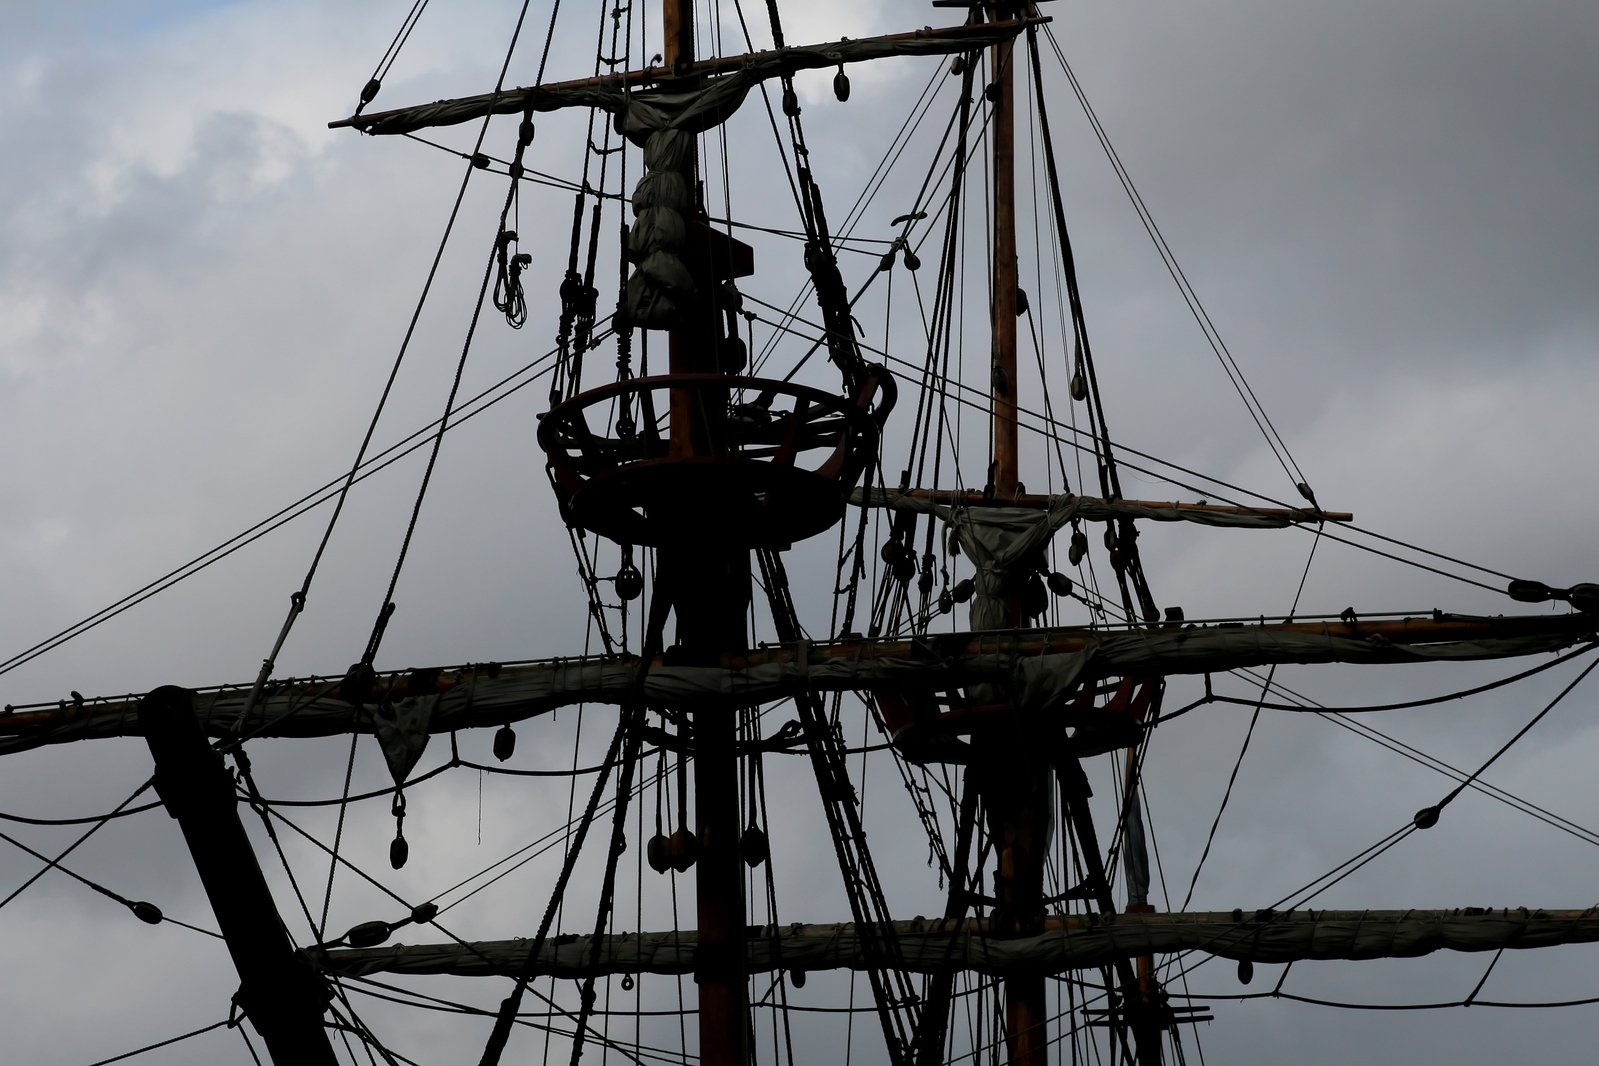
1006, 475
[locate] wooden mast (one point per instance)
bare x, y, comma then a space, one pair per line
708, 583
1015, 778
1002, 129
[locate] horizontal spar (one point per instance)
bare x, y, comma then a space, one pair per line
1094, 509
1040, 667
1068, 943
602, 91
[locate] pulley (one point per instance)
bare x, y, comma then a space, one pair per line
841, 84
629, 582
1035, 600
658, 853
1525, 591
905, 568
683, 848
399, 850
368, 934
1079, 547
733, 355
504, 742
754, 848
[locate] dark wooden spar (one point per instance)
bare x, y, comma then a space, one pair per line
1061, 944
492, 694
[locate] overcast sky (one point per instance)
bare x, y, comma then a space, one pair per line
1387, 208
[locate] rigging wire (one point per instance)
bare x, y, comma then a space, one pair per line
297, 600
484, 400
1047, 427
391, 54
422, 1001
1346, 1005
1339, 716
1224, 355
119, 813
164, 1043
145, 912
1310, 707
385, 890
96, 827
1430, 814
1254, 719
338, 836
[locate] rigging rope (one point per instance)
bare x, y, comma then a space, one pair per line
501, 1033
164, 1043
96, 827
148, 913
1428, 816
1050, 426
487, 398
1252, 404
1254, 718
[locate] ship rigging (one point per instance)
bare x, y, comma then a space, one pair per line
994, 641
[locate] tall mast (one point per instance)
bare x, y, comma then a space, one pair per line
1002, 129
708, 584
1016, 779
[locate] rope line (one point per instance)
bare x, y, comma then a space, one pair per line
162, 1043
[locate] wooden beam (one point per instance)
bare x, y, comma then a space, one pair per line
1066, 943
280, 994
491, 695
548, 97
1042, 502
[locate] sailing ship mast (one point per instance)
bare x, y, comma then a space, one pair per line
706, 582
1013, 773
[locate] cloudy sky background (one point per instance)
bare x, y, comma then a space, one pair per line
1387, 209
